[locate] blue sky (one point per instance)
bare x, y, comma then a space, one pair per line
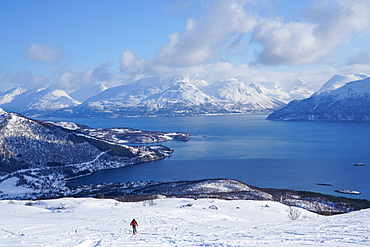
73, 43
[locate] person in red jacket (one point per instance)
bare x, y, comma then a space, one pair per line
134, 225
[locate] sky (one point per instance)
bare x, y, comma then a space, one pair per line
74, 43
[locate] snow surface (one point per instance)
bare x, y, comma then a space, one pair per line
9, 187
338, 100
9, 95
86, 92
35, 101
174, 222
338, 81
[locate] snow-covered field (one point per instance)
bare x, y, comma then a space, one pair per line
174, 222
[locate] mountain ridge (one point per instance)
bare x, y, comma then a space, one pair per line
347, 102
155, 96
37, 101
177, 97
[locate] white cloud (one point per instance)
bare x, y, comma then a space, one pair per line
362, 57
291, 43
295, 43
202, 41
131, 64
98, 74
43, 53
25, 79
223, 29
68, 80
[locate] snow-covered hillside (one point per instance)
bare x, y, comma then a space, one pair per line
86, 92
334, 102
37, 101
9, 95
175, 222
338, 81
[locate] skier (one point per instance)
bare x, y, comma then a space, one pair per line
134, 225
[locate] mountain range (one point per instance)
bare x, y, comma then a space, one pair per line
342, 98
155, 96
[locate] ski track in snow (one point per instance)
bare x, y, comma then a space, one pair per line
90, 222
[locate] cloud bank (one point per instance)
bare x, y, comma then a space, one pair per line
324, 28
321, 33
69, 79
43, 53
201, 42
296, 43
25, 79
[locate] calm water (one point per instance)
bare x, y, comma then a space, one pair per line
291, 155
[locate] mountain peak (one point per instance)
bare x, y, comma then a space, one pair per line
84, 93
9, 95
34, 102
338, 81
2, 112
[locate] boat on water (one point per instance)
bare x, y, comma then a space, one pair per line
354, 192
324, 184
359, 164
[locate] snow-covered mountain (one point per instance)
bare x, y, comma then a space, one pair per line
337, 100
175, 97
35, 102
338, 81
299, 90
234, 94
8, 96
155, 96
84, 93
293, 90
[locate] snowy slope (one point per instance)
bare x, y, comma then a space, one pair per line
338, 81
233, 93
8, 96
350, 102
299, 90
175, 222
84, 93
36, 101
